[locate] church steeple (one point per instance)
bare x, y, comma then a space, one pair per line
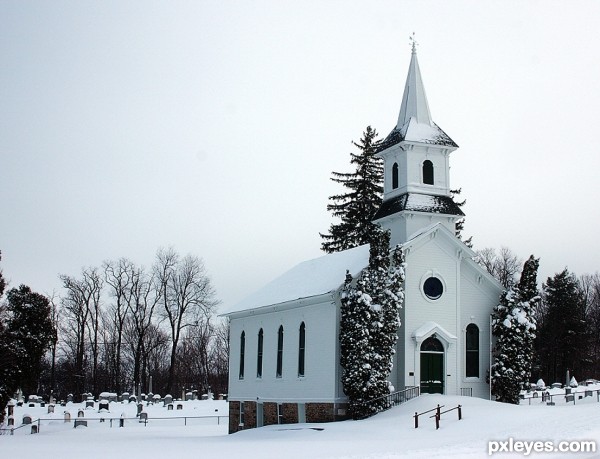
416, 154
414, 102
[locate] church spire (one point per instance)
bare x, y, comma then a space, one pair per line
414, 102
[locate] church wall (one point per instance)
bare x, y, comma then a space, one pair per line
434, 258
478, 298
319, 383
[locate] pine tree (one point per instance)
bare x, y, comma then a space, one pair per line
355, 208
460, 224
514, 327
30, 327
369, 327
564, 335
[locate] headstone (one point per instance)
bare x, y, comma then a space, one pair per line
156, 398
567, 390
168, 400
32, 405
150, 397
80, 414
19, 403
103, 405
89, 404
569, 398
535, 395
67, 416
11, 408
170, 407
144, 417
180, 406
80, 422
50, 409
125, 397
11, 421
140, 408
144, 396
26, 419
188, 396
132, 399
588, 393
63, 403
34, 429
70, 398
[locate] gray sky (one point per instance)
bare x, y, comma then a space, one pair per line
213, 126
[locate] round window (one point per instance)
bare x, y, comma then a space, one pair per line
433, 288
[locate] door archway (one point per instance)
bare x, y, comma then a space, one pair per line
432, 366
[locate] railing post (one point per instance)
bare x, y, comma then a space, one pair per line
437, 420
459, 412
437, 413
416, 420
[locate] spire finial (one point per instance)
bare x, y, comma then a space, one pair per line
413, 43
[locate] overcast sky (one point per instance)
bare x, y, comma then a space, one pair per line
213, 127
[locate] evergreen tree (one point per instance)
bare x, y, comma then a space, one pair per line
563, 336
369, 327
355, 208
514, 327
30, 327
460, 224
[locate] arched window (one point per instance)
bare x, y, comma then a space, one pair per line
242, 352
472, 352
279, 352
259, 354
395, 176
428, 172
301, 347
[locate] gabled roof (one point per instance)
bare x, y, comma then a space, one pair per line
308, 279
326, 274
417, 202
414, 121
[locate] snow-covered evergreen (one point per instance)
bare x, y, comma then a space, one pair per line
356, 207
514, 327
369, 328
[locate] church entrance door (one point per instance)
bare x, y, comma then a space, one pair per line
432, 366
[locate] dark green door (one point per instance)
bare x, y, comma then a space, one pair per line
432, 373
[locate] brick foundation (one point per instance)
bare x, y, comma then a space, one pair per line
315, 413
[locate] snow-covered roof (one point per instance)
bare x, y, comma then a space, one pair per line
418, 203
307, 279
414, 121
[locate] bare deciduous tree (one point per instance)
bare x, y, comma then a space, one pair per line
187, 297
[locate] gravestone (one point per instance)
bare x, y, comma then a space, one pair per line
125, 397
188, 396
80, 414
132, 399
170, 407
26, 419
168, 399
535, 395
588, 393
70, 398
42, 404
11, 408
180, 406
50, 409
67, 416
32, 405
140, 408
89, 404
34, 429
144, 417
80, 422
103, 405
569, 398
11, 421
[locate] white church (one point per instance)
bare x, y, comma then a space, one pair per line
284, 339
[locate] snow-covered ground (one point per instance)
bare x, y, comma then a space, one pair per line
388, 435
